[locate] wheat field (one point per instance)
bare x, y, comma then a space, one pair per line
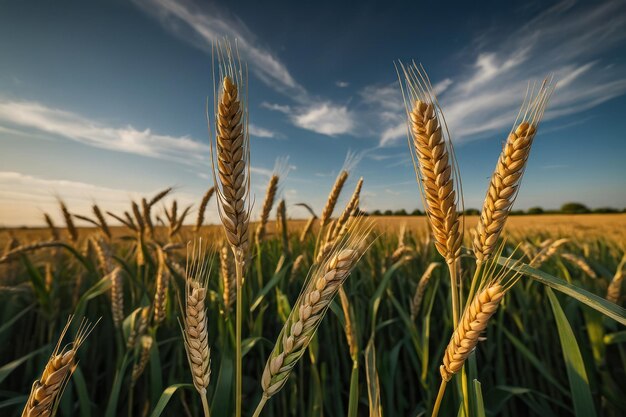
150, 313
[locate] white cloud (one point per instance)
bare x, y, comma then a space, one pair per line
204, 26
325, 118
35, 116
483, 98
342, 84
281, 108
260, 132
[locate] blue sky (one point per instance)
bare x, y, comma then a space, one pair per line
104, 101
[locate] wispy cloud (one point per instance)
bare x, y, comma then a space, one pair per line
325, 118
261, 132
24, 116
565, 40
342, 84
205, 25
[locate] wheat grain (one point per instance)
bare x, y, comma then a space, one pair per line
309, 310
547, 252
229, 283
69, 222
473, 322
307, 228
139, 326
144, 357
54, 232
103, 225
202, 209
281, 221
117, 296
581, 263
268, 203
614, 290
333, 197
416, 301
162, 287
46, 391
195, 320
507, 176
146, 214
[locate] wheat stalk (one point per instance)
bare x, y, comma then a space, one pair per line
309, 310
162, 287
103, 253
416, 301
297, 265
102, 223
194, 328
146, 214
16, 251
202, 209
47, 390
507, 176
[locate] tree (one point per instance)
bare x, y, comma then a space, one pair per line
388, 213
604, 210
535, 210
401, 212
416, 212
377, 213
574, 208
472, 212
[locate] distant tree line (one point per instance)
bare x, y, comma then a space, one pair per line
567, 208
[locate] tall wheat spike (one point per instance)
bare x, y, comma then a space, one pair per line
162, 288
69, 222
435, 162
507, 176
333, 197
436, 170
194, 326
614, 291
547, 252
580, 263
321, 287
144, 358
268, 203
47, 390
104, 226
139, 326
307, 228
117, 296
232, 151
54, 232
416, 301
229, 283
202, 209
231, 172
281, 222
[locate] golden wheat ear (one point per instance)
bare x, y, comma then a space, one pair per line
47, 390
322, 285
194, 322
507, 176
231, 150
434, 161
